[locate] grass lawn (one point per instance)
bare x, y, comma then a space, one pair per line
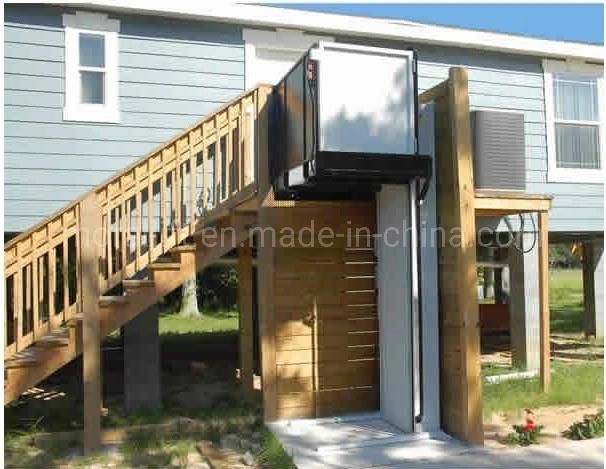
566, 301
215, 321
211, 336
571, 383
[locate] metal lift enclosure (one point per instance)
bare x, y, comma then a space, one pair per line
344, 119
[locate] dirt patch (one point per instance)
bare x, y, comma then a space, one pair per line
203, 395
555, 419
496, 356
496, 349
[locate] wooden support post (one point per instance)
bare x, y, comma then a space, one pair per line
265, 269
593, 288
544, 300
90, 221
245, 293
460, 377
467, 315
588, 290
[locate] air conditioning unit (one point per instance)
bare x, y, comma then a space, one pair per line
344, 119
498, 150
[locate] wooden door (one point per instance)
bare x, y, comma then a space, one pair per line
326, 329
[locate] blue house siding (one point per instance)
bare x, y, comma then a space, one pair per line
174, 71
171, 73
515, 83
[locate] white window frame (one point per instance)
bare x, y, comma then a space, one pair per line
98, 24
573, 175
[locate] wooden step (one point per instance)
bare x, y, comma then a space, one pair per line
112, 300
132, 284
164, 266
184, 248
24, 359
137, 287
183, 252
60, 339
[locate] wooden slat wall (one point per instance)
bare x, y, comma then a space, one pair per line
460, 379
324, 311
326, 329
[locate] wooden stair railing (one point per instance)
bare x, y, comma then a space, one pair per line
144, 212
50, 352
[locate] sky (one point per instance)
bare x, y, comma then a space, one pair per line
572, 22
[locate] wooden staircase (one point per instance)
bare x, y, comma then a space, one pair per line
170, 214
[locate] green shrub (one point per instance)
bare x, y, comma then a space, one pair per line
523, 435
218, 288
592, 426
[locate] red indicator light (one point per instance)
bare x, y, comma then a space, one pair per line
311, 70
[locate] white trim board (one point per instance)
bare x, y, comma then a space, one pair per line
430, 326
394, 305
385, 28
555, 174
262, 43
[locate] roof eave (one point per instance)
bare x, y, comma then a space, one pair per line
263, 16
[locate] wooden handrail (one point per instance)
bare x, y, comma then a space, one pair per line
143, 211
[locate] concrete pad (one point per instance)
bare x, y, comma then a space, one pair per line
329, 434
359, 441
367, 441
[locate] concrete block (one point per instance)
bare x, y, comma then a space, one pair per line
141, 343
